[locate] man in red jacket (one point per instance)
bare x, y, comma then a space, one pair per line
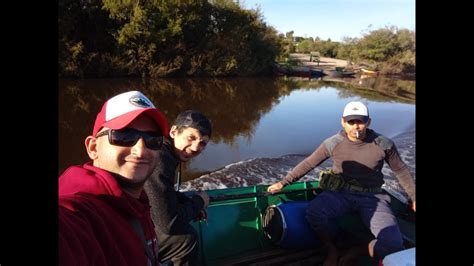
104, 215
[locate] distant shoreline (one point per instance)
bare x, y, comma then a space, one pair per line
327, 63
324, 62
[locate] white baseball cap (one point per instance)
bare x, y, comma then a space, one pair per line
356, 110
122, 109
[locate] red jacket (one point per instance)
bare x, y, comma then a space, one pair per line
94, 220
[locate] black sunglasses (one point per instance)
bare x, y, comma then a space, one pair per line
356, 121
128, 137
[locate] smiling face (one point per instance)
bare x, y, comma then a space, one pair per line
135, 163
188, 143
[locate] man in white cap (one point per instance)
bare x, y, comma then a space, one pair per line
358, 154
104, 215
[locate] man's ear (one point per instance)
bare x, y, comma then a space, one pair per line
342, 122
173, 132
91, 147
368, 122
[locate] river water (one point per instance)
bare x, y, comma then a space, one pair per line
262, 127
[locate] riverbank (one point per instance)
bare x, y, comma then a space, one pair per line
325, 63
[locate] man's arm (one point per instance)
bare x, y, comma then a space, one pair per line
322, 153
169, 211
78, 244
308, 164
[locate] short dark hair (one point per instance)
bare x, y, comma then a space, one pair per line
194, 119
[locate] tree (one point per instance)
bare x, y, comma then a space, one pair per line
164, 38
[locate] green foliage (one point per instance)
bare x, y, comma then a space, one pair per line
288, 43
164, 38
390, 50
397, 46
201, 38
347, 49
379, 45
84, 37
70, 63
305, 46
328, 48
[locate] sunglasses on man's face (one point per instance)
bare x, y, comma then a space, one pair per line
128, 137
356, 121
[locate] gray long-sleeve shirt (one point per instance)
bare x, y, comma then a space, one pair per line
359, 162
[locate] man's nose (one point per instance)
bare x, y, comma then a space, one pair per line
195, 146
139, 147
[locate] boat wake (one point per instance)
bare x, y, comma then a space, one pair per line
257, 171
265, 171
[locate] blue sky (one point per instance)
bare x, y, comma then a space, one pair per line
334, 18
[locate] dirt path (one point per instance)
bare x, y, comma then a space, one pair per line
325, 62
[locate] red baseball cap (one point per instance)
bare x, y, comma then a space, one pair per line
122, 109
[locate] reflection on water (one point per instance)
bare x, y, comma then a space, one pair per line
234, 106
252, 117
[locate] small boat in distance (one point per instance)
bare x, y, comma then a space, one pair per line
340, 72
299, 71
369, 72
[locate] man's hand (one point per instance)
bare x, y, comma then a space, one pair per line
413, 206
202, 215
204, 197
275, 187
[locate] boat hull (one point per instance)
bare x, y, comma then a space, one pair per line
234, 232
